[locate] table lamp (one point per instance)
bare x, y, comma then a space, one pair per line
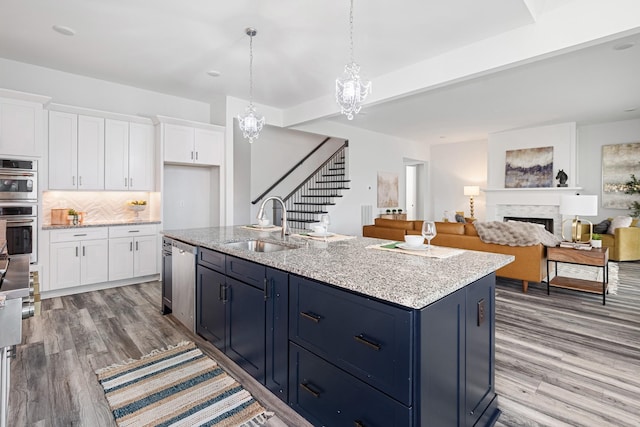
576, 205
471, 190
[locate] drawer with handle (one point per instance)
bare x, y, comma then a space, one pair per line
369, 339
328, 396
78, 234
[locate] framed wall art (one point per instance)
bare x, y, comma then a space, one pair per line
529, 168
387, 190
619, 161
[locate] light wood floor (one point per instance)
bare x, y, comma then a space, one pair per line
561, 360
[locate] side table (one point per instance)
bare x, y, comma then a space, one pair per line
597, 257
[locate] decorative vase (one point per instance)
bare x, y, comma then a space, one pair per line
596, 243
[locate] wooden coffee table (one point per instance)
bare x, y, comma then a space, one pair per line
597, 257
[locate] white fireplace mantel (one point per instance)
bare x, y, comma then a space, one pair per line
539, 202
494, 190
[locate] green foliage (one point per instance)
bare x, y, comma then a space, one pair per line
72, 212
633, 187
596, 236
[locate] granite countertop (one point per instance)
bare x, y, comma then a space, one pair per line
407, 280
97, 224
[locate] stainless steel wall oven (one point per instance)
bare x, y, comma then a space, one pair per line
22, 228
19, 180
19, 206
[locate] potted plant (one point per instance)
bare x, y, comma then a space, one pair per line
596, 240
72, 216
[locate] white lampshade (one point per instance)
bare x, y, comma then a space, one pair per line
471, 190
579, 205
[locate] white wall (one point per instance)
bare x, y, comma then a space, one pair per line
562, 137
591, 138
87, 92
452, 167
369, 153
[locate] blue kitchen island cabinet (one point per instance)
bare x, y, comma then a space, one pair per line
241, 308
351, 336
355, 361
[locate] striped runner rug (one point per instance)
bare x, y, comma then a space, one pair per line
177, 386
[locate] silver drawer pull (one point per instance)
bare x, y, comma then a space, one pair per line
358, 423
311, 316
309, 390
362, 340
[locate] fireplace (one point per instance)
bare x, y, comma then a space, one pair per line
547, 222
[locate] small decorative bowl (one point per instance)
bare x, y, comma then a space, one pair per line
263, 222
413, 240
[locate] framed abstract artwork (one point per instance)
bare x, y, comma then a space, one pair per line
387, 190
529, 168
619, 161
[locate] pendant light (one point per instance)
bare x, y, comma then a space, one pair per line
251, 122
350, 90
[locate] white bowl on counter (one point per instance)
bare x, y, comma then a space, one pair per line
414, 240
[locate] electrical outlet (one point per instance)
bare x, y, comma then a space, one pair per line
481, 312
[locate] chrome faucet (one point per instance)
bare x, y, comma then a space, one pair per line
284, 213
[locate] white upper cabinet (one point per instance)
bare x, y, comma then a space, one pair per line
129, 156
90, 153
63, 151
208, 146
193, 145
141, 157
21, 123
76, 152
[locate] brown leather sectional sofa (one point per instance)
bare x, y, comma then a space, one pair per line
530, 261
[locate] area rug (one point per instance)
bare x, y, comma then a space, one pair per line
177, 386
587, 272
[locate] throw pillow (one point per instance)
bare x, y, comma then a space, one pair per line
460, 218
619, 221
602, 227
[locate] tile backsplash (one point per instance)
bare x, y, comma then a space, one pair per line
102, 206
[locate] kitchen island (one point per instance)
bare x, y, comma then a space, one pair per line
349, 335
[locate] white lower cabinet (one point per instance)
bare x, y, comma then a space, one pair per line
78, 257
133, 251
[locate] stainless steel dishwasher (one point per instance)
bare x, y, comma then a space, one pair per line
183, 281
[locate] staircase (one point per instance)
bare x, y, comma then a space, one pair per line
314, 196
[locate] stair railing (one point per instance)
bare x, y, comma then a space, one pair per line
297, 165
319, 169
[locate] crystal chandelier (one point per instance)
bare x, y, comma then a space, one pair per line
251, 122
350, 90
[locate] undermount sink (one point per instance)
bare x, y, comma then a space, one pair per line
260, 246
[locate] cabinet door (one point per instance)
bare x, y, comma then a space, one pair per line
116, 155
90, 153
208, 147
20, 127
277, 332
63, 151
480, 339
441, 380
94, 261
178, 144
145, 260
141, 157
120, 258
211, 306
246, 327
64, 265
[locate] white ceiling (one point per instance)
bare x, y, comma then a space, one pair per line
302, 45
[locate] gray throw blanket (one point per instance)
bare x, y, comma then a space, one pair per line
514, 233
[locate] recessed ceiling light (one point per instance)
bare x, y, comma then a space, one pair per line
624, 46
64, 30
214, 73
